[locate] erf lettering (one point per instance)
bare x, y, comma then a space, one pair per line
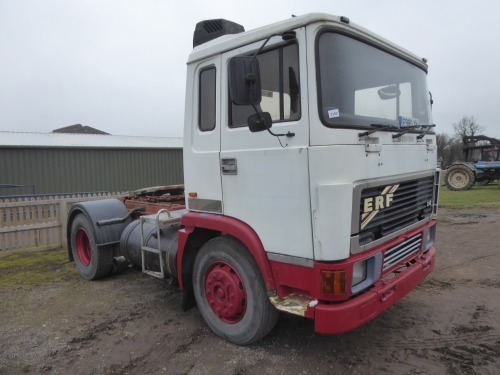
377, 203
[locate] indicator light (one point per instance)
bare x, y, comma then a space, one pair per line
334, 283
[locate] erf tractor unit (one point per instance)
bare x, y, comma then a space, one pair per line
310, 182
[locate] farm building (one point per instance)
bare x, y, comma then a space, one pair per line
60, 163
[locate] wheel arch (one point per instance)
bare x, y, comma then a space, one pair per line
95, 211
471, 166
201, 227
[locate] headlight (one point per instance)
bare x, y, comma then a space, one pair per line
366, 272
358, 272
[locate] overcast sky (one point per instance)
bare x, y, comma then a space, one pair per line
120, 65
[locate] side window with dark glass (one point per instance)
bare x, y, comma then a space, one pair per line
206, 110
279, 71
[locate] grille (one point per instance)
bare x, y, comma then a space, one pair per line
411, 202
402, 251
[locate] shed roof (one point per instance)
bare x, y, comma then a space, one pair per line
64, 140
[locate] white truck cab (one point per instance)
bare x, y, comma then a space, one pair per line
348, 191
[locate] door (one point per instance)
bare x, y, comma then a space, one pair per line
265, 179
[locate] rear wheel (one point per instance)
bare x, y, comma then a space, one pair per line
230, 292
92, 262
459, 177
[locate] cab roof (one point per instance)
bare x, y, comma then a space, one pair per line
229, 42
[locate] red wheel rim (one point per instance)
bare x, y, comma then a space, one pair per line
83, 249
225, 292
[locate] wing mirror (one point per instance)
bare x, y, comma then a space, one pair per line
244, 80
259, 122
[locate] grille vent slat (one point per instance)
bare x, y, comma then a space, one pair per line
402, 251
411, 202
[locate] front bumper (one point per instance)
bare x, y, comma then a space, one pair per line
348, 315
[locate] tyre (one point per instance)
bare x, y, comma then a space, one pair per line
92, 262
230, 292
459, 177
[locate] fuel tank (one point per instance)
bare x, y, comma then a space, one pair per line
130, 246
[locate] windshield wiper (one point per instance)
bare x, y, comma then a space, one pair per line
378, 127
425, 130
407, 129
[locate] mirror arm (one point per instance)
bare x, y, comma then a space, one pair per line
289, 134
262, 47
287, 35
251, 79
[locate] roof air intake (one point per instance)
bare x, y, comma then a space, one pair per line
208, 30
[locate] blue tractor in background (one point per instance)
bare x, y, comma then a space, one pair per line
481, 165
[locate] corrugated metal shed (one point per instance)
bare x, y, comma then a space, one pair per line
58, 163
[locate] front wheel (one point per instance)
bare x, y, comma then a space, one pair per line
92, 262
230, 292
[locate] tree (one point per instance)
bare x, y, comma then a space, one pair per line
442, 142
449, 149
467, 126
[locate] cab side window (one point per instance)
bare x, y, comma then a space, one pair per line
279, 71
206, 92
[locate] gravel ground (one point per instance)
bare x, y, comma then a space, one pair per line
133, 324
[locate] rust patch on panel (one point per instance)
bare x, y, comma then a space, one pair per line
156, 198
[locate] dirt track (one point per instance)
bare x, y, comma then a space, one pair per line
133, 324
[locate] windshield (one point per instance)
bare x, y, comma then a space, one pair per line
360, 85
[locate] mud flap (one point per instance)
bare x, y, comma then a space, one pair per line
187, 299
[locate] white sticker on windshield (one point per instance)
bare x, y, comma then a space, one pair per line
333, 113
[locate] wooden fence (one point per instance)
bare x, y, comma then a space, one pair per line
38, 223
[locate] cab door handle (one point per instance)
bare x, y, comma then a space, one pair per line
229, 166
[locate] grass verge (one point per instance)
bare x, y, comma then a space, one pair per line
33, 268
478, 197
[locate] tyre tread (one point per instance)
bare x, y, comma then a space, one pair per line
102, 257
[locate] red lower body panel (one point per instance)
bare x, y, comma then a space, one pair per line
343, 317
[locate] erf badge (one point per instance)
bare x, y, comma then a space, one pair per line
372, 205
